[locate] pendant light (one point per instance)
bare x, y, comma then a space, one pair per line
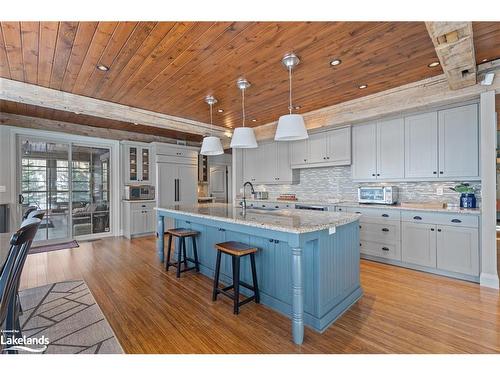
211, 145
291, 127
243, 137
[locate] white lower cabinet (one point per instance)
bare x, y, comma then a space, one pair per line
139, 218
419, 244
458, 249
437, 242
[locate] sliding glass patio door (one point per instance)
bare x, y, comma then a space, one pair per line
70, 182
44, 183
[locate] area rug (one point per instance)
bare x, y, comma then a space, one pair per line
68, 319
54, 247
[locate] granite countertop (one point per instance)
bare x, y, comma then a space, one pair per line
454, 210
338, 202
284, 220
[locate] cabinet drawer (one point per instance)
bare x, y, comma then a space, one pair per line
176, 151
383, 250
379, 232
440, 218
376, 213
142, 205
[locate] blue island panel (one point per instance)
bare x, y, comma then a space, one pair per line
330, 265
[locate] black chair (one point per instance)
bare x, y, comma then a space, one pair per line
20, 244
28, 211
39, 214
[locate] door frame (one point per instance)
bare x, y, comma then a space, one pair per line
115, 175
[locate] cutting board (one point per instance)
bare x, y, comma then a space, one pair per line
429, 205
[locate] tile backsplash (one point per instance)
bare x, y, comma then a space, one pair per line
336, 183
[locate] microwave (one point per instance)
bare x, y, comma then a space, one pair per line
139, 192
378, 194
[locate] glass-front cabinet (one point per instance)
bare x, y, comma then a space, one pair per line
137, 162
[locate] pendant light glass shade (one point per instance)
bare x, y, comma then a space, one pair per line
291, 127
211, 145
243, 137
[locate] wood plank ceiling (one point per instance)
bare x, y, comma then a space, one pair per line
169, 67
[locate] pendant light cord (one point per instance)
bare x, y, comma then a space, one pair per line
211, 120
290, 91
243, 104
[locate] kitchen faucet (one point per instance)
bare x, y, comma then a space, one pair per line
244, 197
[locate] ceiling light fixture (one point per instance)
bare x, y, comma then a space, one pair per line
211, 145
484, 60
220, 110
102, 68
335, 62
363, 86
291, 127
243, 137
254, 120
433, 64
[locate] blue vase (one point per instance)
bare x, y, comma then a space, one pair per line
467, 200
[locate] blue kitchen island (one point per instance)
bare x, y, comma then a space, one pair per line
307, 265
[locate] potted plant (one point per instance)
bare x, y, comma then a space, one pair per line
467, 196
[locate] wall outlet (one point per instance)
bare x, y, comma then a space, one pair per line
439, 190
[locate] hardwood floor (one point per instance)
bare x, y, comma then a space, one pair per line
402, 311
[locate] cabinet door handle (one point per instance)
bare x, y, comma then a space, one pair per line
276, 241
305, 159
439, 230
385, 229
373, 174
417, 218
276, 206
441, 172
432, 229
188, 222
271, 240
385, 215
358, 212
360, 227
456, 221
434, 172
385, 248
378, 174
328, 157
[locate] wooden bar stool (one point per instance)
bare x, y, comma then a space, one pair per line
181, 234
236, 250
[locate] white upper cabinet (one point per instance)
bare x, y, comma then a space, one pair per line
390, 149
137, 163
364, 152
330, 148
421, 145
339, 146
317, 148
269, 164
458, 142
299, 152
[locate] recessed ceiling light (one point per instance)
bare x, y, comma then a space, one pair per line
220, 110
77, 113
102, 68
296, 107
335, 62
433, 64
136, 123
254, 120
484, 60
364, 86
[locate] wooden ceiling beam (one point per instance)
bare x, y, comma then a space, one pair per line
425, 94
10, 119
454, 46
49, 98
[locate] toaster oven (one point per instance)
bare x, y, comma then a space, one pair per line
378, 194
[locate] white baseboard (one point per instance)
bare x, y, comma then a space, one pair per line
489, 280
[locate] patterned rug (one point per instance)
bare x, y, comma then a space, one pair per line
67, 315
